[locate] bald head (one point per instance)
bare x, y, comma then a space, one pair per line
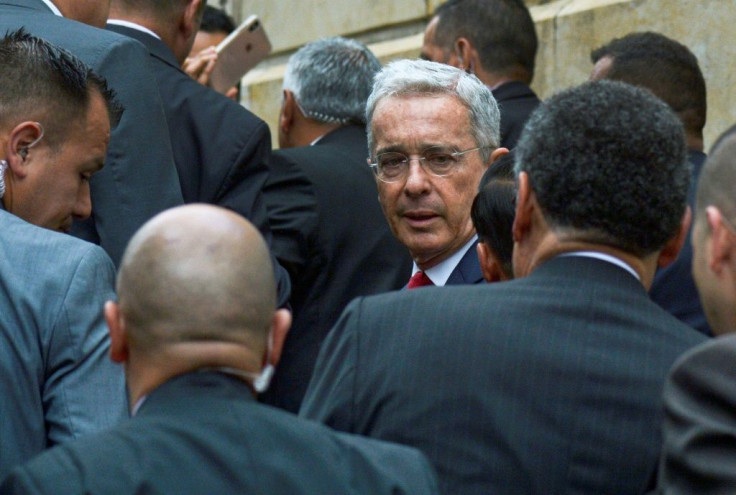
197, 273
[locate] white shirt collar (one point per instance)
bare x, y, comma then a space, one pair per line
439, 273
605, 257
53, 8
132, 25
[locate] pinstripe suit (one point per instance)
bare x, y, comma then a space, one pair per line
546, 384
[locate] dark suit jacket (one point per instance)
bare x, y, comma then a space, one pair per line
203, 433
139, 179
220, 148
468, 270
331, 235
700, 422
516, 101
673, 287
545, 384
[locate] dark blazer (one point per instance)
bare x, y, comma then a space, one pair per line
544, 384
331, 235
516, 101
700, 422
220, 148
203, 433
673, 287
468, 270
139, 179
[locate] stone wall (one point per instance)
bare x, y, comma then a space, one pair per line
568, 30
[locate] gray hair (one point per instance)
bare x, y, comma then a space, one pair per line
331, 79
423, 78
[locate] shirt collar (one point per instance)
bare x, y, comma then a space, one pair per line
53, 8
440, 273
605, 257
133, 25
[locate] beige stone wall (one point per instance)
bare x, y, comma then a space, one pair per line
568, 30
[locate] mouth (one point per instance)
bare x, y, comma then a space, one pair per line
420, 218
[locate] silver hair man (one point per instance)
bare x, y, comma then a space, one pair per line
420, 77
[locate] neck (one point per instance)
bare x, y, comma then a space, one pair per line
554, 245
306, 132
694, 141
147, 370
167, 34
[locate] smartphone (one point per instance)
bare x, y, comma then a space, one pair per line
238, 53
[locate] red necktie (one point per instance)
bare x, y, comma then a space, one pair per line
419, 279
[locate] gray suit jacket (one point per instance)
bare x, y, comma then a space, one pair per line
545, 384
57, 379
203, 433
700, 422
139, 179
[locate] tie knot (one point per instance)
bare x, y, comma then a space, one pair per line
419, 279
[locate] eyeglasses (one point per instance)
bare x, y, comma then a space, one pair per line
440, 162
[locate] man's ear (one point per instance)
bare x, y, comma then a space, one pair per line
722, 240
465, 54
524, 208
288, 107
489, 264
671, 250
21, 139
119, 350
280, 324
497, 153
190, 20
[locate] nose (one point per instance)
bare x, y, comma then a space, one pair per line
418, 181
83, 205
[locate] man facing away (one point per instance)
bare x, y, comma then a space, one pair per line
328, 228
196, 328
549, 383
55, 124
432, 132
220, 148
700, 424
140, 178
670, 71
495, 40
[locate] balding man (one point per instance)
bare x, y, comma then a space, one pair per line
700, 403
140, 178
197, 330
220, 148
55, 124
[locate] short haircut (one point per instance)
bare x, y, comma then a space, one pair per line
608, 164
331, 79
665, 67
493, 211
40, 81
717, 178
502, 31
216, 20
162, 11
423, 78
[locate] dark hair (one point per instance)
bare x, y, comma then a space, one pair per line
718, 176
608, 164
216, 20
665, 67
493, 211
502, 31
38, 77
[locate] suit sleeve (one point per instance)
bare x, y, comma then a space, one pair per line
292, 211
139, 179
83, 390
700, 422
241, 192
330, 397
